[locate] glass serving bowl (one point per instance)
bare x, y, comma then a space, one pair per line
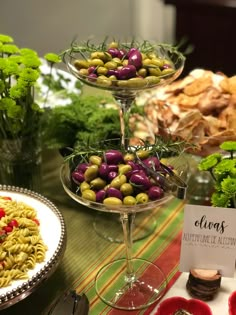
97, 66
139, 283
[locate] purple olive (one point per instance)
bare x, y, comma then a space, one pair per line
77, 177
122, 53
135, 59
152, 162
113, 168
91, 69
92, 77
113, 157
82, 167
127, 72
114, 72
114, 52
100, 195
114, 192
140, 179
112, 175
130, 173
131, 51
155, 192
134, 165
103, 170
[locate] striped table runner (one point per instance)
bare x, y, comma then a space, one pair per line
161, 247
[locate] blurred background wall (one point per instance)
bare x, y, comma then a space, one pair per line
51, 25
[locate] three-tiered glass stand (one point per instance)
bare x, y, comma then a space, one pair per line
134, 283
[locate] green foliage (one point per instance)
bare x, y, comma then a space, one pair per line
87, 118
19, 72
222, 167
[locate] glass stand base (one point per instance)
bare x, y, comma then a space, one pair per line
108, 226
146, 286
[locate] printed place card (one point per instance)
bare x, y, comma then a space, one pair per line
209, 239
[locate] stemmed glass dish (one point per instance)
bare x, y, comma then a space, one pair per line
125, 69
139, 282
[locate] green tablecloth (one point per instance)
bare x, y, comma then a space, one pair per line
86, 252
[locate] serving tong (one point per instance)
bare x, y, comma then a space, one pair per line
171, 183
70, 303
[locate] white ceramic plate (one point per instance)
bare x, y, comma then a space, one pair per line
50, 219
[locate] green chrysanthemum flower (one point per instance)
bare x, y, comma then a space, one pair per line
14, 111
219, 199
209, 162
11, 68
224, 168
18, 91
31, 61
6, 103
29, 75
9, 49
6, 38
15, 58
228, 186
228, 146
27, 52
52, 58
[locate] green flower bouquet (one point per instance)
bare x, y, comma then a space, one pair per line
222, 167
20, 115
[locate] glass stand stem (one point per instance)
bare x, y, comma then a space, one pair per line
125, 102
127, 220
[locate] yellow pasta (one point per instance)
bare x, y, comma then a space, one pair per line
21, 245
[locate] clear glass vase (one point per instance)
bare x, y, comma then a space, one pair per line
20, 162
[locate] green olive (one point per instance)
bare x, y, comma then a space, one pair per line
112, 201
84, 186
152, 55
96, 62
129, 157
100, 55
124, 168
142, 72
91, 173
80, 64
102, 70
113, 45
98, 183
83, 72
117, 61
126, 189
104, 81
152, 80
154, 71
89, 195
143, 154
142, 198
110, 65
129, 201
147, 62
167, 71
118, 181
95, 159
157, 62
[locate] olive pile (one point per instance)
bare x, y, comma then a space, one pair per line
123, 68
115, 178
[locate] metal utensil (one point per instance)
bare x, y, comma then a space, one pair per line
70, 303
171, 183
